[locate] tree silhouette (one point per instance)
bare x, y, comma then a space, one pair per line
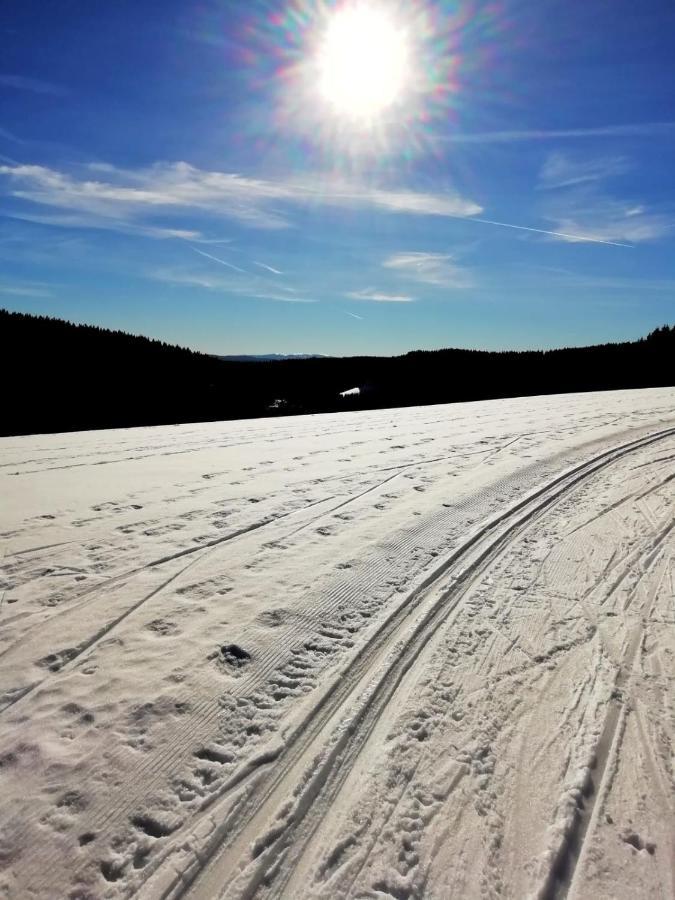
59, 376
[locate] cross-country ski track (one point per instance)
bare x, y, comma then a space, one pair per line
424, 652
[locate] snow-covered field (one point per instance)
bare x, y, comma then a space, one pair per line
412, 653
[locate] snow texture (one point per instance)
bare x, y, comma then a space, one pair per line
411, 653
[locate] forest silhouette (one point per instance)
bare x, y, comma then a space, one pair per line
59, 376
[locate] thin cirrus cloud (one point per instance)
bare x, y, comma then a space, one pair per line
85, 221
560, 170
127, 201
581, 209
587, 214
26, 290
119, 199
438, 269
623, 227
379, 296
245, 287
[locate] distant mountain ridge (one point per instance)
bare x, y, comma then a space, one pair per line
58, 376
270, 357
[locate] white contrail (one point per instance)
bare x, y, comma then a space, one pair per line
645, 129
269, 268
218, 260
561, 234
353, 315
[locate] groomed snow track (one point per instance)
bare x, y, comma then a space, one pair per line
410, 654
303, 778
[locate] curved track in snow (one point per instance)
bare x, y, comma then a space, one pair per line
457, 650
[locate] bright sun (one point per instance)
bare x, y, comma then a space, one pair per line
362, 62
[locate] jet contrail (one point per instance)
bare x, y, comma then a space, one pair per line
562, 234
645, 129
269, 268
216, 259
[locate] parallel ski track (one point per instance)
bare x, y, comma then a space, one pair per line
308, 741
202, 722
93, 593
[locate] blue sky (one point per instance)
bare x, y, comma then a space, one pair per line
169, 169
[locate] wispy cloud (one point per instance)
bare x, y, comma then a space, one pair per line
26, 290
378, 296
180, 278
643, 129
129, 201
126, 197
278, 296
107, 223
581, 210
243, 287
34, 85
223, 262
416, 203
118, 198
589, 215
438, 269
560, 170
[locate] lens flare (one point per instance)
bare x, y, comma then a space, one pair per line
364, 84
362, 62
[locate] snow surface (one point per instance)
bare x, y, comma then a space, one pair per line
411, 653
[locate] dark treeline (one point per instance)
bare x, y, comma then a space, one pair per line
63, 377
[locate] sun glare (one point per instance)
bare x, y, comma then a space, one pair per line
363, 62
362, 82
